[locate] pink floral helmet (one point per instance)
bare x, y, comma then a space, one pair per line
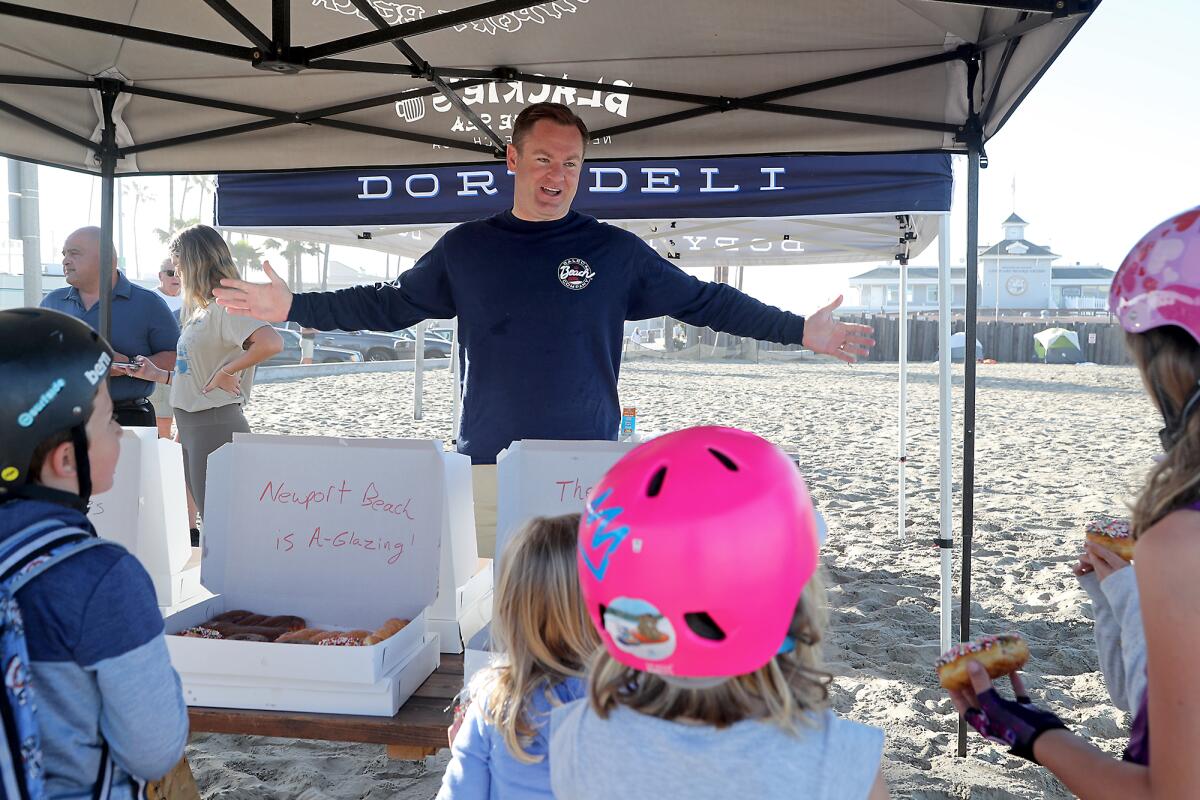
693, 552
1159, 281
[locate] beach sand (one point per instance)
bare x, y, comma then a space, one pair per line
1055, 444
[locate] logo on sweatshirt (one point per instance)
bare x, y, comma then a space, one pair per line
575, 274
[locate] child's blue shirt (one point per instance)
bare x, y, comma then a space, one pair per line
482, 768
101, 674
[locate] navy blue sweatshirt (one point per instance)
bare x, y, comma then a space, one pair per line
541, 308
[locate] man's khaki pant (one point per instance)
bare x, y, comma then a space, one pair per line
483, 480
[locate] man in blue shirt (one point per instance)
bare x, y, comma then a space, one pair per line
541, 293
141, 322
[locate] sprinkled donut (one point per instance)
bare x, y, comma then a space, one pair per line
200, 633
341, 640
1112, 534
999, 655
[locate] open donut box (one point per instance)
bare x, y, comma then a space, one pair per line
345, 533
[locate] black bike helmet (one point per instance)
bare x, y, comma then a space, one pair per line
51, 366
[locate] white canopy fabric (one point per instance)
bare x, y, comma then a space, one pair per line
669, 78
689, 243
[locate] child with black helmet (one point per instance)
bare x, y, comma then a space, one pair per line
84, 635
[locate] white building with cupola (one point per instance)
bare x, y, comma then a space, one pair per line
1015, 276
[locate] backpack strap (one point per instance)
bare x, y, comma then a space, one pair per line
23, 556
32, 551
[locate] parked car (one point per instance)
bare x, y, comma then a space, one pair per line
373, 346
406, 347
322, 354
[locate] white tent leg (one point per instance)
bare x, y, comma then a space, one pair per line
419, 371
903, 346
455, 394
945, 435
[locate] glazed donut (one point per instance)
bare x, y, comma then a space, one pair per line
387, 630
231, 616
292, 623
302, 636
1112, 534
230, 629
999, 655
253, 619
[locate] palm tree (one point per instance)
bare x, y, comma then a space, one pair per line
292, 252
245, 255
140, 192
205, 183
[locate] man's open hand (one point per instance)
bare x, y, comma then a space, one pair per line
844, 340
269, 302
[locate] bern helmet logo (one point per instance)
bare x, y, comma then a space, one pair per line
575, 274
100, 371
25, 418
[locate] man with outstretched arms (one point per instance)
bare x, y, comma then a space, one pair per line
541, 293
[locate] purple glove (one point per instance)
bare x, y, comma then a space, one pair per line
1016, 723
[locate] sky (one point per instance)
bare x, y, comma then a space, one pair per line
1098, 150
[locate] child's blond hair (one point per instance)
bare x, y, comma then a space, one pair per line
541, 625
786, 692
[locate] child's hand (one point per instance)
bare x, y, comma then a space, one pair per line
1084, 565
1105, 561
1017, 723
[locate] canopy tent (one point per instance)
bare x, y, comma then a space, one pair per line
958, 347
1057, 346
136, 87
697, 212
732, 210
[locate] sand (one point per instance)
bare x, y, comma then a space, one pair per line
1055, 444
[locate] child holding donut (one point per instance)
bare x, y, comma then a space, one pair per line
96, 708
1110, 583
541, 626
1156, 298
698, 560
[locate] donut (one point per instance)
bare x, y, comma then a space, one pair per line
231, 616
229, 629
247, 637
292, 623
1112, 534
302, 636
254, 619
200, 633
388, 629
341, 640
999, 655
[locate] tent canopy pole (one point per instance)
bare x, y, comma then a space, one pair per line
968, 481
108, 168
945, 540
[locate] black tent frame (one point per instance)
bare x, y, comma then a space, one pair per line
276, 53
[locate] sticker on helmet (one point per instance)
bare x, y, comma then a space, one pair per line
637, 628
25, 418
10, 473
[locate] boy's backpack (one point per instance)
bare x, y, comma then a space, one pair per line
23, 557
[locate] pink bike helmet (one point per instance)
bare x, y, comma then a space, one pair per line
693, 551
1159, 281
